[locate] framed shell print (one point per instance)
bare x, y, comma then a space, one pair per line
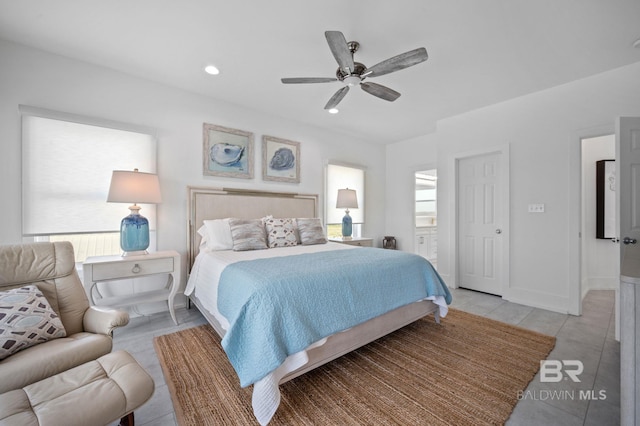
227, 152
280, 160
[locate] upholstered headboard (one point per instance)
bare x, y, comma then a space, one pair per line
220, 203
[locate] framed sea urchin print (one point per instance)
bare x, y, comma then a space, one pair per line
227, 152
280, 160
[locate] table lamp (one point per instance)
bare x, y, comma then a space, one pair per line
347, 200
134, 187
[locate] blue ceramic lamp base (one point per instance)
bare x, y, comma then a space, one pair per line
347, 226
134, 233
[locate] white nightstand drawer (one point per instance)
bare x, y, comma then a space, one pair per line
124, 269
355, 241
359, 243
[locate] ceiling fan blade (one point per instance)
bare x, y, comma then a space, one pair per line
340, 50
401, 61
298, 80
337, 97
380, 91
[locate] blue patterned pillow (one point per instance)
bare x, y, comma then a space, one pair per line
26, 319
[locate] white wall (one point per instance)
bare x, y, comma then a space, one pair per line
543, 131
36, 78
600, 258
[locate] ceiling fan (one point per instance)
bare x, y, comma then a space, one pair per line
352, 73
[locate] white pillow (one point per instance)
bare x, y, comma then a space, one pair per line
218, 235
204, 238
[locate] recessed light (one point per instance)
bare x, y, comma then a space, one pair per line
333, 111
211, 69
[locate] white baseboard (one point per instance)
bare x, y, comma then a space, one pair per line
599, 283
549, 302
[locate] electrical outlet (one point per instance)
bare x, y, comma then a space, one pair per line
536, 208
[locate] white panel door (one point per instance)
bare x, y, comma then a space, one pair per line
628, 203
628, 197
479, 233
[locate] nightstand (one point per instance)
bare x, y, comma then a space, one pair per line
112, 268
355, 241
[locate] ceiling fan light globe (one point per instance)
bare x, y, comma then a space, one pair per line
351, 81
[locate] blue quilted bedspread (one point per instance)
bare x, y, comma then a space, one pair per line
279, 306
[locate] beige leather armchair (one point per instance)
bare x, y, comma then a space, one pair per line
51, 267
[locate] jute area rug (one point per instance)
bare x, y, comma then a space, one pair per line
466, 371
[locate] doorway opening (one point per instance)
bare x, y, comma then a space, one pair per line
426, 215
599, 248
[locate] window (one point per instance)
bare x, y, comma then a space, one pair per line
67, 162
340, 176
426, 197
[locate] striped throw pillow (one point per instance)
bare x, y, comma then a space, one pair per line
248, 234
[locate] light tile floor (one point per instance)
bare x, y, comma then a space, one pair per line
588, 339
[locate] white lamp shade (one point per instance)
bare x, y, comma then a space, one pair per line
347, 199
134, 187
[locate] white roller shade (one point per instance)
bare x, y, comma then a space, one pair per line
67, 168
342, 177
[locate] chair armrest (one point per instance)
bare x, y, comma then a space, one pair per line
104, 320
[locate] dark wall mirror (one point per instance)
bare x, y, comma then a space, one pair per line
606, 199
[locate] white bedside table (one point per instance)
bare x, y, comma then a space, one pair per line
355, 241
111, 268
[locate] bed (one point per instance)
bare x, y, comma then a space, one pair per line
237, 290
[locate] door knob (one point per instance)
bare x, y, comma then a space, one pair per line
627, 240
498, 231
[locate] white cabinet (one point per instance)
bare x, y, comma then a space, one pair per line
426, 244
114, 268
